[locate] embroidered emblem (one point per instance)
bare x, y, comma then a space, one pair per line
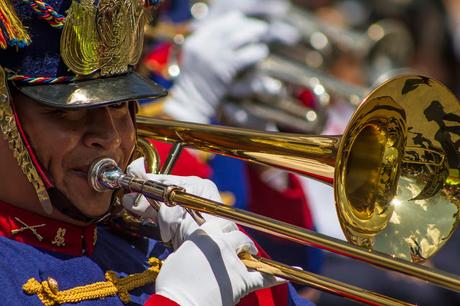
28, 227
107, 38
48, 291
59, 239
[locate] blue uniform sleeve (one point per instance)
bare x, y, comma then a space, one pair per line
295, 300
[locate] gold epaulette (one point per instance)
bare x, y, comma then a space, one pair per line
48, 291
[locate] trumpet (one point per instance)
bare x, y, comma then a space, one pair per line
395, 174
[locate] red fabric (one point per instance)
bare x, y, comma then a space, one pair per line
187, 164
165, 5
306, 97
77, 241
156, 61
156, 300
289, 206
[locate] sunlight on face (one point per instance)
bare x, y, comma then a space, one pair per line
66, 143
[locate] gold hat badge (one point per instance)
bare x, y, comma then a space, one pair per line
106, 38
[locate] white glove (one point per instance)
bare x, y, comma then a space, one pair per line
206, 270
175, 223
211, 58
282, 32
259, 8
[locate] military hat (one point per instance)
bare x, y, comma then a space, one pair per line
75, 53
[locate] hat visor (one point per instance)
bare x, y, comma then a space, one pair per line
94, 93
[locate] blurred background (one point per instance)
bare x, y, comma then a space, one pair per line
300, 66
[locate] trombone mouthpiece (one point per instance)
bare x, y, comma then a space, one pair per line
104, 174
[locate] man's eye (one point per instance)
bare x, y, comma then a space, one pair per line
66, 114
118, 105
56, 111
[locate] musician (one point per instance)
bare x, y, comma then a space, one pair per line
67, 97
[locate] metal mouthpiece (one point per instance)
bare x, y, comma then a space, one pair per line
104, 175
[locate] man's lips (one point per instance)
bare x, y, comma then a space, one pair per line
83, 170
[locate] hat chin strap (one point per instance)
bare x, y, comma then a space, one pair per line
60, 201
57, 198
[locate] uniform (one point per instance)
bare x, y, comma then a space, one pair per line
80, 256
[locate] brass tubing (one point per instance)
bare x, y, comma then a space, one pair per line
105, 174
173, 155
316, 281
313, 156
304, 236
168, 194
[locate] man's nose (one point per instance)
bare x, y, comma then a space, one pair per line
102, 132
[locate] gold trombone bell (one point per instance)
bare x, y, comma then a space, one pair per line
395, 170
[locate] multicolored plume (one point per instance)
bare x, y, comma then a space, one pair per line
12, 31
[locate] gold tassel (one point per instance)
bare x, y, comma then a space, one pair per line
13, 31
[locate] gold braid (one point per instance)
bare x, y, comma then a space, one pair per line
48, 291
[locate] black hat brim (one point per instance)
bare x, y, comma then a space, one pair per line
94, 93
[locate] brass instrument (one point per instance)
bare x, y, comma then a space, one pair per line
105, 175
324, 86
395, 173
385, 45
280, 78
397, 165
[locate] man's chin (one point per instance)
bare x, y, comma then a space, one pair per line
90, 204
93, 208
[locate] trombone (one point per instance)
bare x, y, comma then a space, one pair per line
395, 174
105, 175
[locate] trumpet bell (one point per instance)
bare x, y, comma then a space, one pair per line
397, 173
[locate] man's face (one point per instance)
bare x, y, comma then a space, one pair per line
67, 142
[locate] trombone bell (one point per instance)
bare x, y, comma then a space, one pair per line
395, 170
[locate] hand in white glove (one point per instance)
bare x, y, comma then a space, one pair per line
206, 270
258, 8
211, 58
272, 11
175, 223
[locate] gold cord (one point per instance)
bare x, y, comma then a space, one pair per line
48, 291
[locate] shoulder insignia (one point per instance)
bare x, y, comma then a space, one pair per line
48, 291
